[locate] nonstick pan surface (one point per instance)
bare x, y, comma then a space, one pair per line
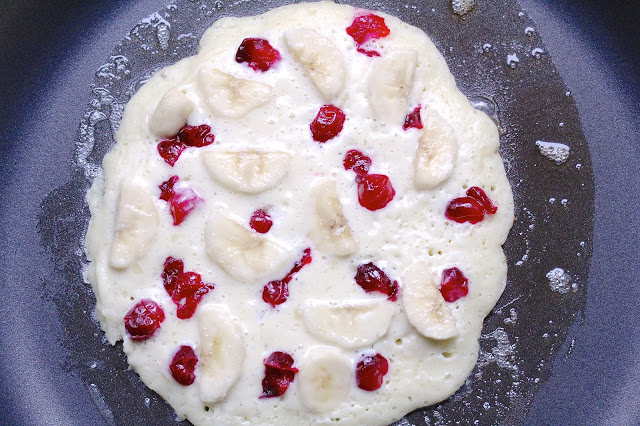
551, 353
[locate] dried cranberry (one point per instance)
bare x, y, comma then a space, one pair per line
278, 374
327, 124
368, 27
260, 221
258, 53
375, 191
166, 188
182, 203
357, 161
369, 53
371, 278
465, 209
277, 292
142, 321
370, 371
413, 119
189, 136
183, 365
186, 289
454, 284
479, 194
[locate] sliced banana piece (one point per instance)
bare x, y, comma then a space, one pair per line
425, 307
325, 378
390, 82
320, 58
171, 113
135, 227
231, 97
437, 152
350, 324
249, 170
331, 232
247, 256
222, 351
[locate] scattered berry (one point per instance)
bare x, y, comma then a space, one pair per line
278, 374
370, 371
371, 278
189, 136
260, 221
186, 289
166, 188
258, 53
454, 284
277, 292
183, 365
327, 124
357, 161
479, 194
471, 208
142, 321
375, 191
413, 120
181, 201
365, 28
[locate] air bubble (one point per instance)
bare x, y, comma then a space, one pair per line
512, 60
486, 104
554, 151
537, 53
462, 7
529, 31
486, 47
559, 280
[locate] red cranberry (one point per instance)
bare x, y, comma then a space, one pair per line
370, 371
465, 209
375, 191
454, 284
371, 278
258, 53
413, 119
166, 188
357, 161
369, 53
142, 321
189, 136
327, 124
479, 194
182, 203
186, 289
260, 221
278, 374
368, 27
183, 365
277, 292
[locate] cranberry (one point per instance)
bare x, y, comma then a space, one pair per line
371, 278
465, 209
189, 136
479, 194
166, 188
183, 365
454, 284
277, 292
258, 53
413, 119
278, 374
182, 203
357, 161
369, 53
260, 221
327, 124
375, 191
186, 289
368, 27
370, 371
142, 321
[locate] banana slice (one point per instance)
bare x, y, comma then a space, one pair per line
425, 307
331, 232
222, 351
436, 154
320, 58
244, 254
349, 324
391, 81
171, 113
325, 378
249, 170
231, 97
136, 225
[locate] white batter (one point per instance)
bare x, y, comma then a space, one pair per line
271, 113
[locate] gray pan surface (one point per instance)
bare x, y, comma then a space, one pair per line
551, 353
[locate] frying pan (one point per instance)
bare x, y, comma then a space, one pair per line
564, 356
